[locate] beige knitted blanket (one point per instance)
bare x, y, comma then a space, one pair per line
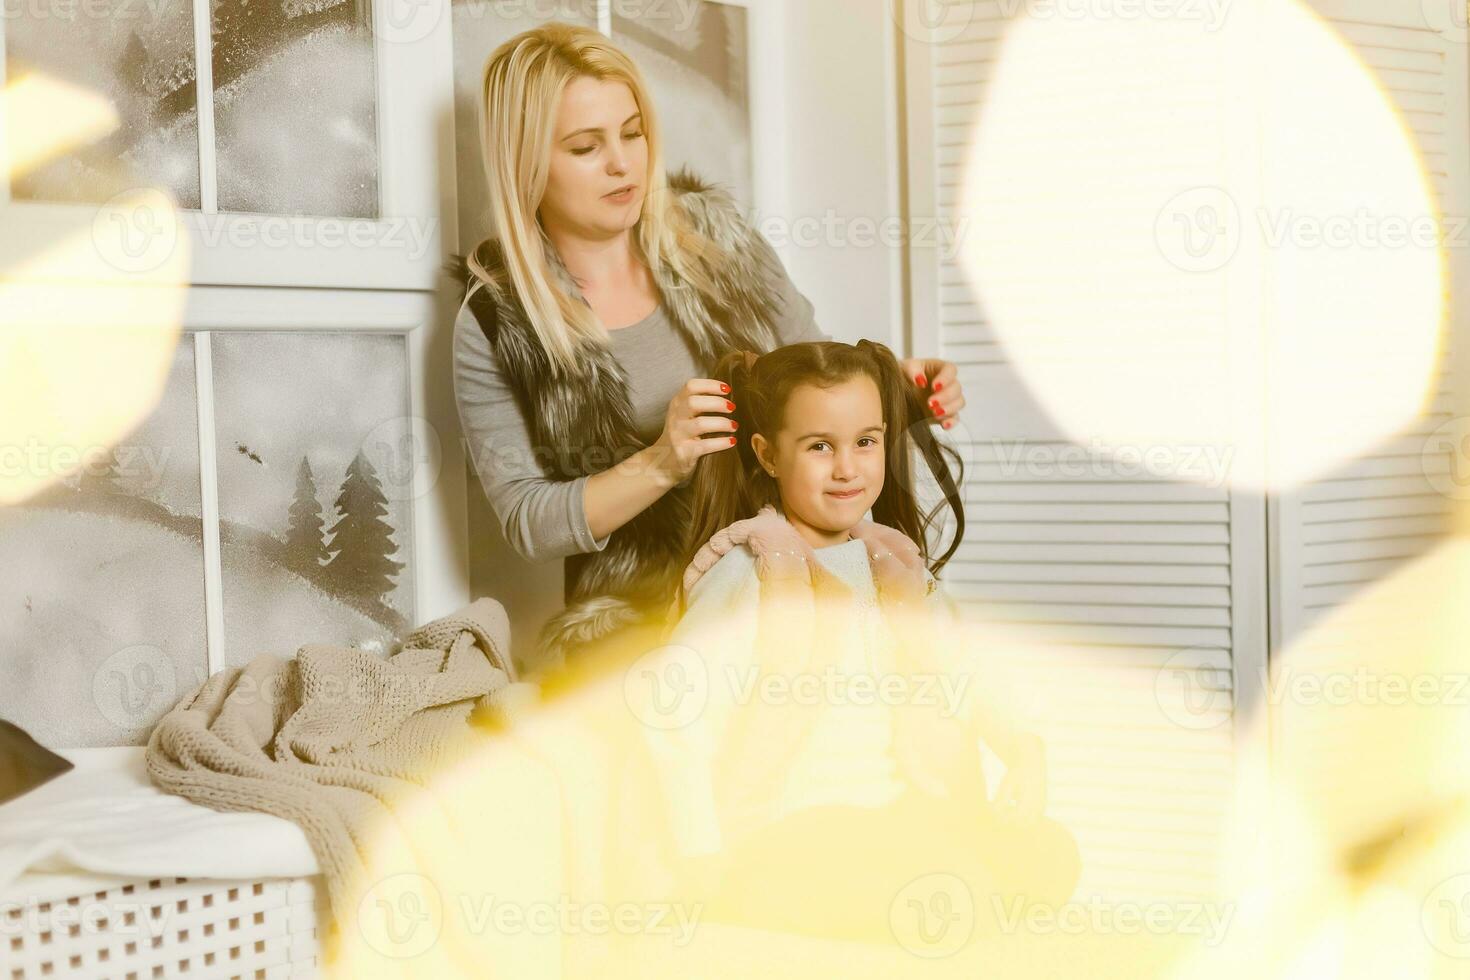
337, 740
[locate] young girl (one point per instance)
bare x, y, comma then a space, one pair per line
830, 756
785, 464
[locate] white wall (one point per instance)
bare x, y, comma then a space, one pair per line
827, 175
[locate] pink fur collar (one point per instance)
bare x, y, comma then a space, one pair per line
898, 565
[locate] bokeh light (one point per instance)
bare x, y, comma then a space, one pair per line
91, 299
1196, 234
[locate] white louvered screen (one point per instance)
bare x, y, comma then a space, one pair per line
1340, 533
1142, 598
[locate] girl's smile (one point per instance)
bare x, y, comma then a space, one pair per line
828, 458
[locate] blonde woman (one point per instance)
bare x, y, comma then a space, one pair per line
592, 321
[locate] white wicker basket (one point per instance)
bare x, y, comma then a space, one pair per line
138, 929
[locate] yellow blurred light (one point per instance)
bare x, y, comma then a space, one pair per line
88, 329
1371, 702
1187, 236
1352, 859
528, 852
46, 117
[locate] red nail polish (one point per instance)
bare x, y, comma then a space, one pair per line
724, 388
938, 386
937, 409
734, 424
732, 440
729, 406
920, 380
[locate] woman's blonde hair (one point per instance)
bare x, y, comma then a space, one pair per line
522, 88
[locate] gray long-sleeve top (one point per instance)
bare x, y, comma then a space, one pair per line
544, 518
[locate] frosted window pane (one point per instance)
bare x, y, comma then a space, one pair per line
479, 28
102, 606
140, 56
315, 524
693, 56
295, 107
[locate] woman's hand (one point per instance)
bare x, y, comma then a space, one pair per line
687, 425
941, 383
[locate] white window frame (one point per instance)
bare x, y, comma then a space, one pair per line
235, 283
440, 556
372, 280
401, 249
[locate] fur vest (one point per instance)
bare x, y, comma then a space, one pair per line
587, 419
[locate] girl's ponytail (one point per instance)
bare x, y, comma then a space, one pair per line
908, 420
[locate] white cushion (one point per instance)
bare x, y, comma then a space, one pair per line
106, 818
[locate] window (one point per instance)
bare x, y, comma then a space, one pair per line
276, 244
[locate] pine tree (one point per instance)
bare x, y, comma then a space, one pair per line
103, 476
131, 67
305, 550
362, 564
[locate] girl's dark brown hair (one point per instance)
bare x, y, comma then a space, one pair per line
732, 485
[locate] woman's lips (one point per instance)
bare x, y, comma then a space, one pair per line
848, 495
621, 197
